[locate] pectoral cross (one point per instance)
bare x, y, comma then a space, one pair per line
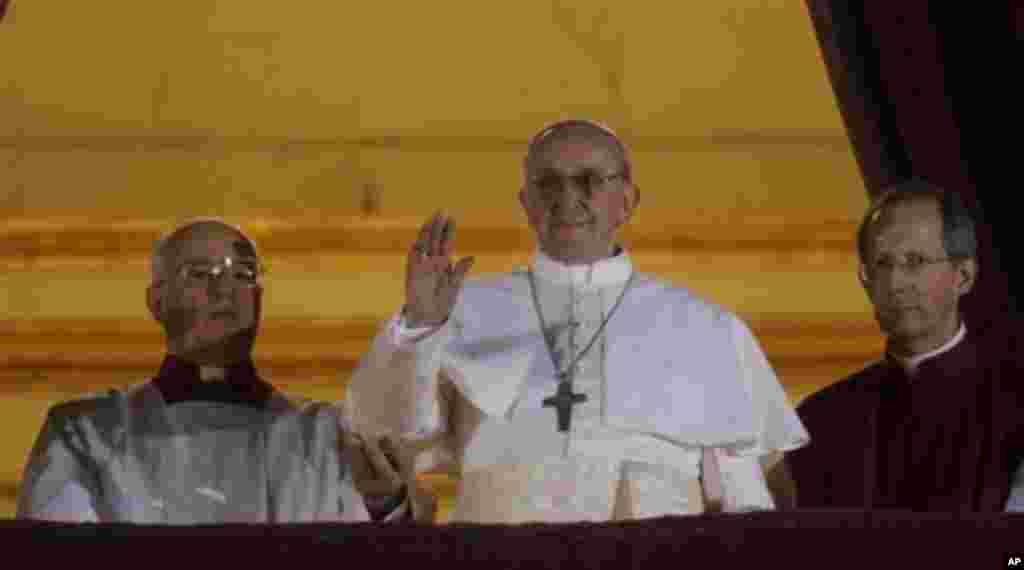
563, 401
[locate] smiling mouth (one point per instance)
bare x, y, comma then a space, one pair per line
576, 224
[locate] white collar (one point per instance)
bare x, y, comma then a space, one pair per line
608, 272
211, 373
911, 363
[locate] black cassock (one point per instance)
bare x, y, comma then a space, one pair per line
948, 439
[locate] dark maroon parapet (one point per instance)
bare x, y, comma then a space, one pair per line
793, 539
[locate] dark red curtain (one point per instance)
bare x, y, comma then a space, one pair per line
927, 89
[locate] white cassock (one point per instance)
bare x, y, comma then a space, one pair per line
680, 400
127, 457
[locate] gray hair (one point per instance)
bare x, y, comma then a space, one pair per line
166, 248
554, 130
958, 236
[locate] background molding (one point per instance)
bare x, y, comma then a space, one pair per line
71, 236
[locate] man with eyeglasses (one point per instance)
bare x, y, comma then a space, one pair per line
207, 440
931, 427
575, 389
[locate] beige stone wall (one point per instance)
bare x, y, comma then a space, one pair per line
240, 108
329, 129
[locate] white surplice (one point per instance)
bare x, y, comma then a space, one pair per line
128, 457
677, 390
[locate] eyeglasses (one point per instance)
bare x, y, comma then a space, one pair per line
590, 181
913, 265
203, 273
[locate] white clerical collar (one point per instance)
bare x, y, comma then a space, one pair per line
608, 272
911, 363
211, 373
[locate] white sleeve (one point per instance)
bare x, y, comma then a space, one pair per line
58, 483
743, 484
72, 504
1015, 503
395, 389
353, 506
780, 428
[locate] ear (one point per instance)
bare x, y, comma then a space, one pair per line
631, 200
862, 276
155, 300
524, 201
258, 302
967, 275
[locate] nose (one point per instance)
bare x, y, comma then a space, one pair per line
571, 196
895, 280
220, 284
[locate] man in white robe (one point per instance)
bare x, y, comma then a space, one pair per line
207, 441
666, 404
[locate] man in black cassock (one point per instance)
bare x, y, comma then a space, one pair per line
934, 425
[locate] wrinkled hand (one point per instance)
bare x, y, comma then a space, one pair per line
383, 467
377, 468
432, 284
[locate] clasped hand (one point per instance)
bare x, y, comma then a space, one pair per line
383, 471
